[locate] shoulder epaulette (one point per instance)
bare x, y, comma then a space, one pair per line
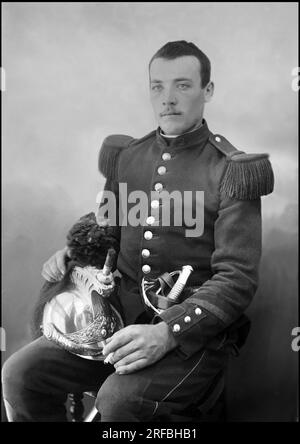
109, 153
247, 176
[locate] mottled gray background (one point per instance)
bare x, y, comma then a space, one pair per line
76, 73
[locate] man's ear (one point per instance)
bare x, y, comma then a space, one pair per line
209, 91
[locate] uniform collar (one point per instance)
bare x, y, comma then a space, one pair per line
186, 140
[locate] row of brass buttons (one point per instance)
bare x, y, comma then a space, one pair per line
161, 170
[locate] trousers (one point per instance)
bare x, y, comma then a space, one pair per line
37, 379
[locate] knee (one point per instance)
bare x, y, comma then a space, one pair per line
11, 374
117, 400
18, 373
13, 368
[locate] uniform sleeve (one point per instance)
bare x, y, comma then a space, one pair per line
221, 300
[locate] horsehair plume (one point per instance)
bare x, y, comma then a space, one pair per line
89, 243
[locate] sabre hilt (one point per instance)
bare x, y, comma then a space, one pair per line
180, 283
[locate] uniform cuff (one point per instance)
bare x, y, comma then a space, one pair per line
193, 328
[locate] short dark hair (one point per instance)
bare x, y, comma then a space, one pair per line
179, 48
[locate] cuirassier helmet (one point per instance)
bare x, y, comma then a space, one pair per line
77, 312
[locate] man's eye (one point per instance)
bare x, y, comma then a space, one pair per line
183, 86
156, 87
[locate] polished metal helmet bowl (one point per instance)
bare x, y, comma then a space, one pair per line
80, 319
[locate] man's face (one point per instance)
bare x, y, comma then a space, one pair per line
176, 94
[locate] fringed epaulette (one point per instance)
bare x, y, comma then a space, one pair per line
109, 153
247, 176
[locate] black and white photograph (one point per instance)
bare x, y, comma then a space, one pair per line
149, 215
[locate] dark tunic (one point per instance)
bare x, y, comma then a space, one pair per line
225, 255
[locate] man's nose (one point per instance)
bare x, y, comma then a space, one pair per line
169, 98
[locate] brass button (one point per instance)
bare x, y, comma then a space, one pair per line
166, 156
158, 187
198, 311
218, 139
176, 328
146, 268
148, 235
145, 252
154, 204
150, 220
161, 170
187, 319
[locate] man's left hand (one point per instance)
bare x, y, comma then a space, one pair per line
137, 346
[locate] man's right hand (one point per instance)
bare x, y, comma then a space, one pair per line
54, 269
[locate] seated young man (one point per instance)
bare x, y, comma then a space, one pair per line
162, 364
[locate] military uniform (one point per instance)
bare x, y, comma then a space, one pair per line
225, 257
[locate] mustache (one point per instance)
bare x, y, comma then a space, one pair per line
169, 112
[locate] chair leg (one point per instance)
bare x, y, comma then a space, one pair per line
92, 415
76, 408
8, 411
